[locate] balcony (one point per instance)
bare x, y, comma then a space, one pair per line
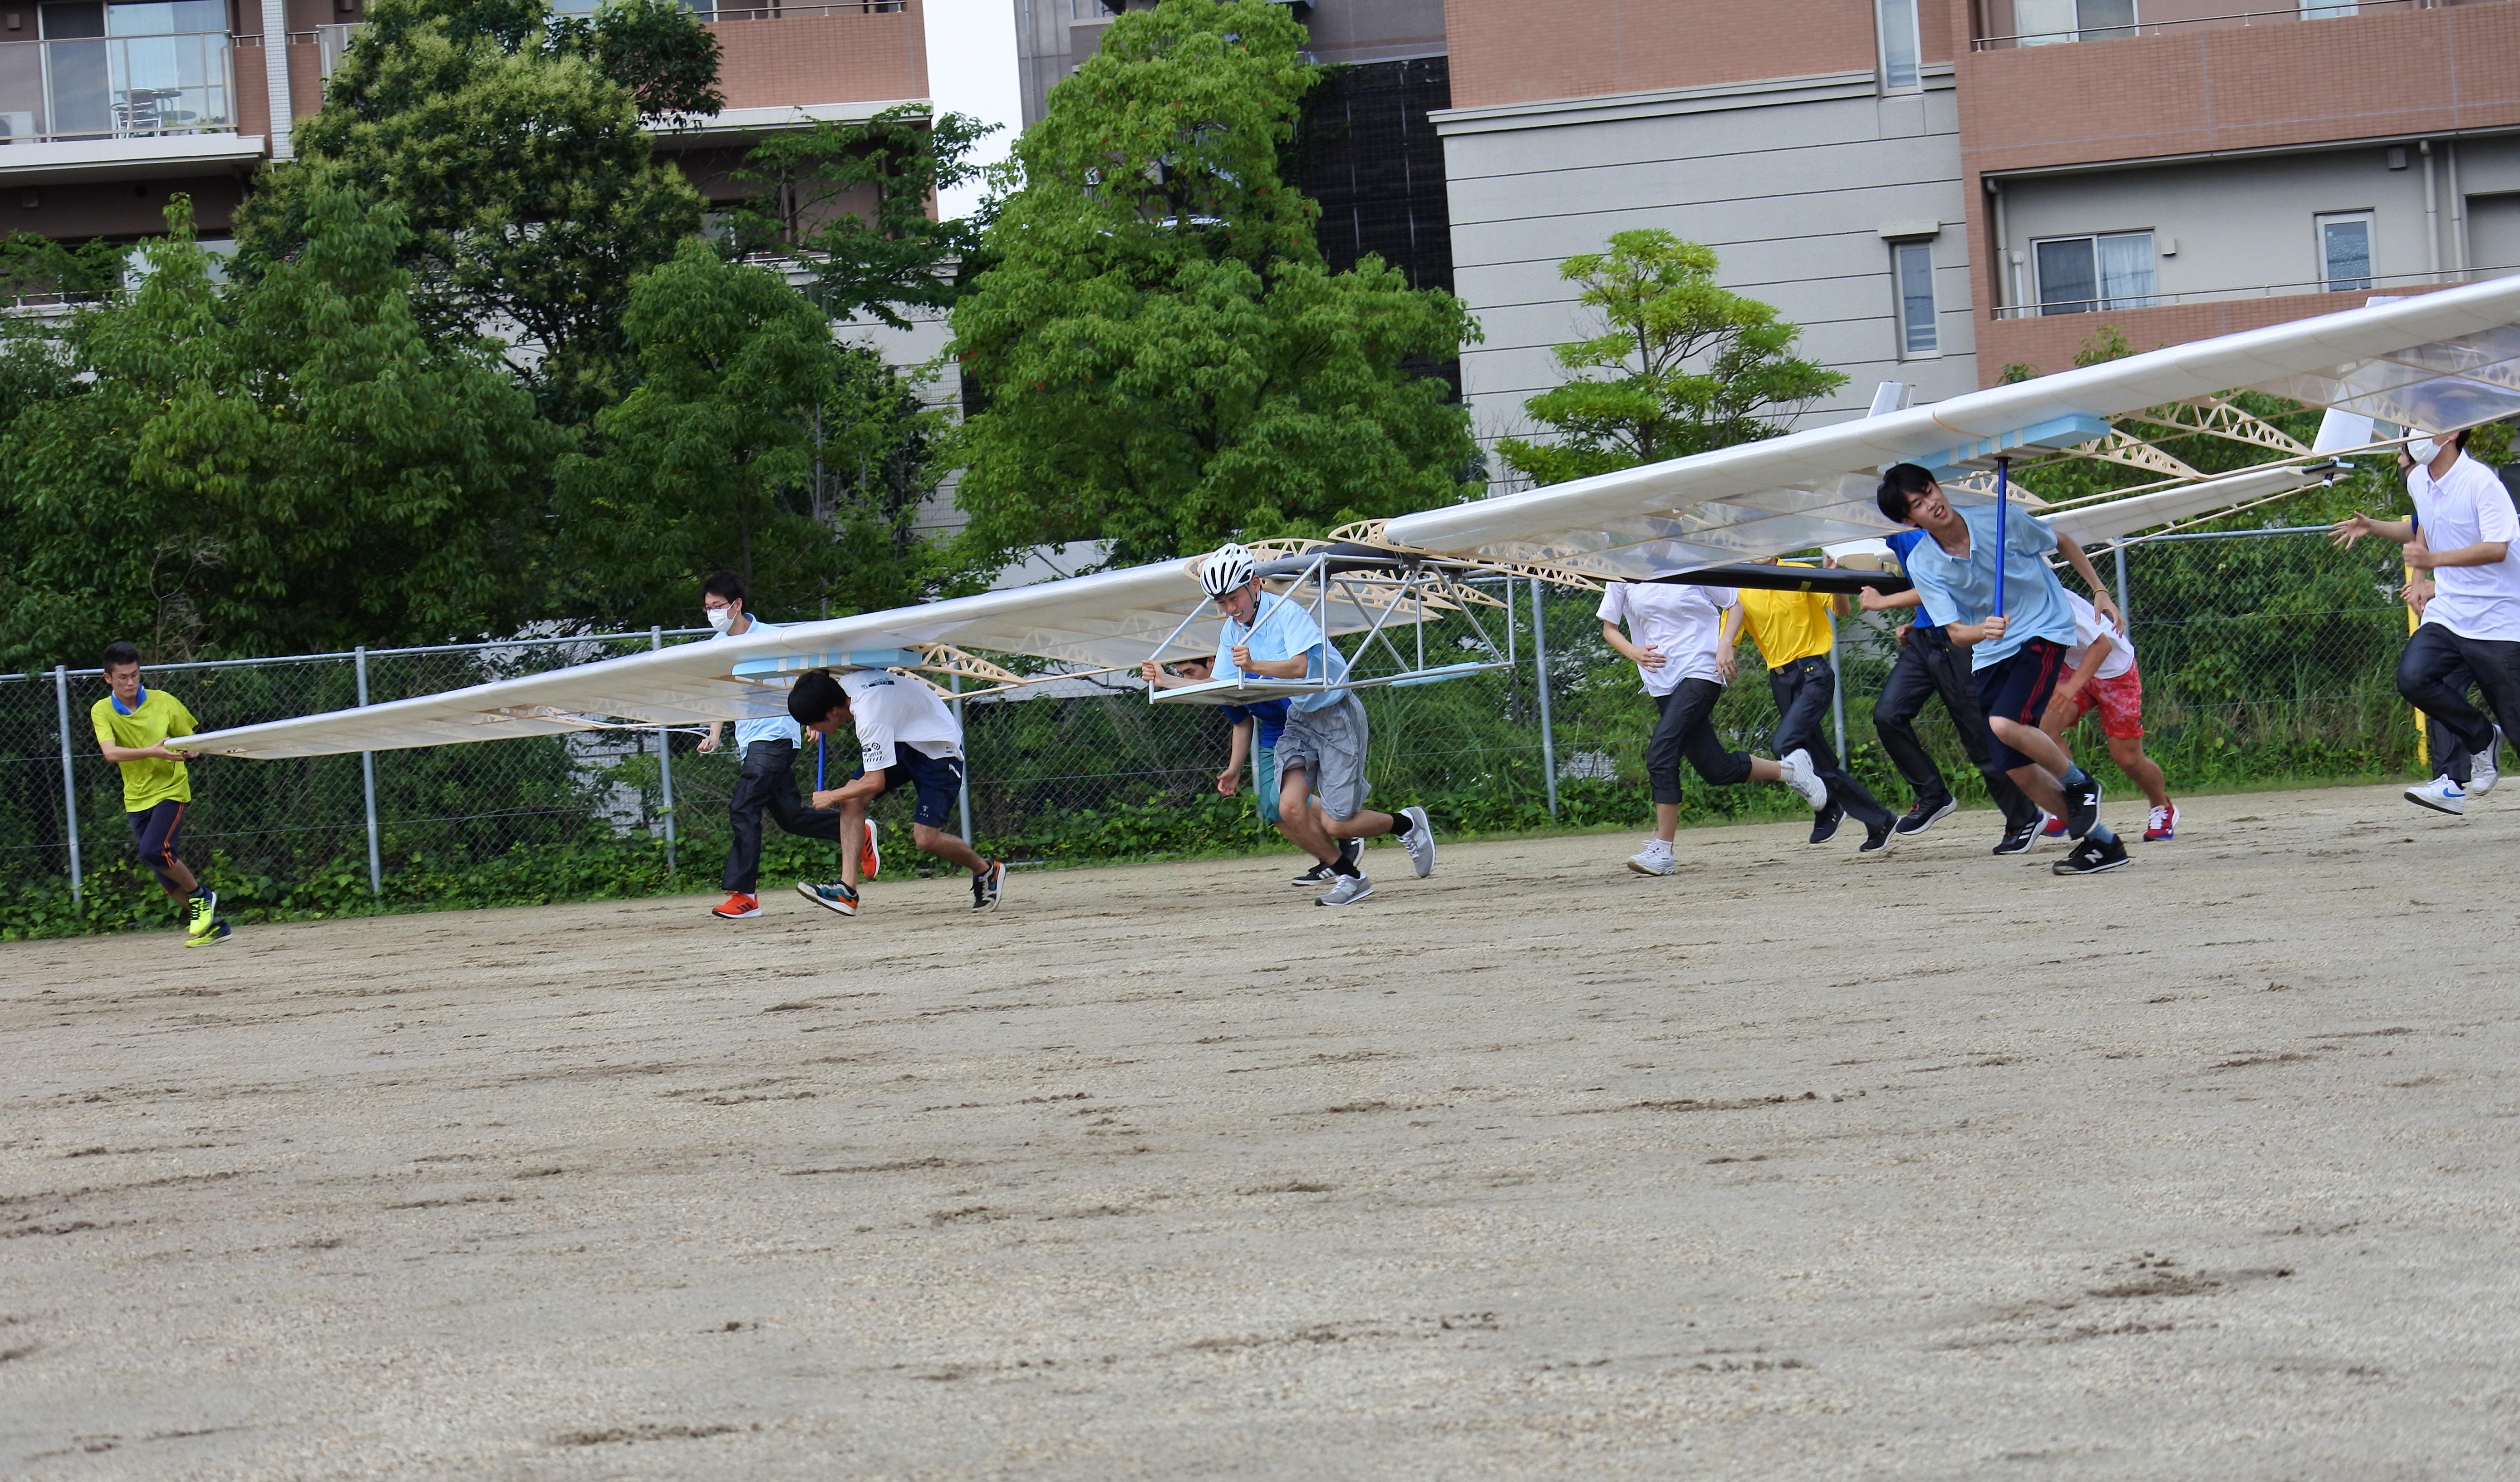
116, 87
2006, 25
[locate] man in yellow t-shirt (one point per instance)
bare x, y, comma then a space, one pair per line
1795, 638
132, 726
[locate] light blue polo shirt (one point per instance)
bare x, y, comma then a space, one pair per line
1283, 629
763, 726
1963, 591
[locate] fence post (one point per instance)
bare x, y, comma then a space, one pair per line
957, 681
665, 762
368, 777
1540, 672
70, 777
2126, 609
1836, 692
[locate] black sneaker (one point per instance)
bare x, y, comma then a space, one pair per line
1825, 825
1920, 818
989, 885
1879, 839
2092, 857
2082, 805
1350, 851
2020, 837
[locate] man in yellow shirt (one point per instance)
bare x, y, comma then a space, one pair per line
1795, 638
132, 726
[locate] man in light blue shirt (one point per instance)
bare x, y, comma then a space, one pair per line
2016, 655
767, 745
1320, 754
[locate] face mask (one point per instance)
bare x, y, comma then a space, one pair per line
2424, 450
721, 618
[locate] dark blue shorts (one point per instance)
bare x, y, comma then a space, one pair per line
2017, 687
938, 778
153, 835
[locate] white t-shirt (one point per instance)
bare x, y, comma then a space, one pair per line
1682, 620
2089, 625
2461, 508
889, 711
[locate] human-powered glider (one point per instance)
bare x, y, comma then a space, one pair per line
2439, 361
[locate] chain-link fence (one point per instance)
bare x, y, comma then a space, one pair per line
2266, 656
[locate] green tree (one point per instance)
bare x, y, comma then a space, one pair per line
293, 464
1682, 365
753, 442
1157, 356
820, 184
514, 149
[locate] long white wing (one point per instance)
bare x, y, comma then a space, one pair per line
1106, 619
2441, 361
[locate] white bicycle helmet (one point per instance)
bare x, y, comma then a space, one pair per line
1230, 568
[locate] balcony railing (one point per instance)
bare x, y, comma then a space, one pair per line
115, 87
2285, 15
2380, 283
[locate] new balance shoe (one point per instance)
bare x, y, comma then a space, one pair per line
2054, 828
839, 896
1347, 890
989, 885
2441, 794
2161, 824
2485, 768
1878, 840
1920, 818
1825, 825
219, 932
1655, 858
739, 905
202, 910
2082, 805
869, 855
2092, 857
1419, 841
1803, 778
2018, 837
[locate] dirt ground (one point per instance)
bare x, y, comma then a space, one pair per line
1789, 1166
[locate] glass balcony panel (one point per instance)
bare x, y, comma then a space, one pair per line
119, 86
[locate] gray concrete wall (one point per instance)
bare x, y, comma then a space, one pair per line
1791, 182
2246, 223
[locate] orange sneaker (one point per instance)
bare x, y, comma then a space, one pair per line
870, 857
739, 905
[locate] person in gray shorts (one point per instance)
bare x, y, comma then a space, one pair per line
1320, 754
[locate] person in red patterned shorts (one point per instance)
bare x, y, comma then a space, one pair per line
2106, 679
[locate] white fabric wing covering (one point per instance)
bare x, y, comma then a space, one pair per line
2438, 361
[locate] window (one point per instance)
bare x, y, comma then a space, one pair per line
2310, 11
2048, 22
1911, 264
1896, 20
2077, 274
2345, 251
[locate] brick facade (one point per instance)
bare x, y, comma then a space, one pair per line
1507, 52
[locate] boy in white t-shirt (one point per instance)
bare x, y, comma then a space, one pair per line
1673, 639
2104, 677
2466, 535
906, 735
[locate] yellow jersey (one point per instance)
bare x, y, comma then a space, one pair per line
157, 716
1787, 625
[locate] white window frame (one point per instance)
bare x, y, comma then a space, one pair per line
2317, 10
1887, 16
1902, 325
2079, 32
2328, 283
2099, 302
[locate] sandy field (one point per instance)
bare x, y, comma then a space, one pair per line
1787, 1167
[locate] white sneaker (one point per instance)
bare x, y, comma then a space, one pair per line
2484, 770
2441, 794
1800, 776
1350, 889
1655, 858
1420, 842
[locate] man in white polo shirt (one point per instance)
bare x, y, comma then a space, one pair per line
2466, 535
766, 746
1673, 639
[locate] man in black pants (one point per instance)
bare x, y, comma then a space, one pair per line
768, 782
2466, 535
1927, 666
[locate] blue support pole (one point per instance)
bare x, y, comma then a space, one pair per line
2003, 543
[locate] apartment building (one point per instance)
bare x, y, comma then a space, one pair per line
1939, 189
107, 107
